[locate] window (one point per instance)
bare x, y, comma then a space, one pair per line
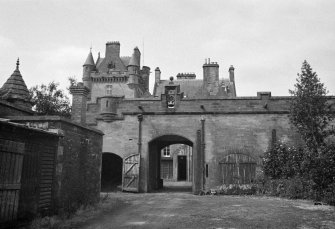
166, 151
109, 89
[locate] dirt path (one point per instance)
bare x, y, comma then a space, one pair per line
183, 210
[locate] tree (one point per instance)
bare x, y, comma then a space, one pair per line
73, 82
309, 112
49, 100
281, 161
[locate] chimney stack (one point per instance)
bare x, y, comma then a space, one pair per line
79, 98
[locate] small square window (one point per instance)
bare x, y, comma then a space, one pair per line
109, 89
166, 151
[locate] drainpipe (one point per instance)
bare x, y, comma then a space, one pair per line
140, 119
203, 151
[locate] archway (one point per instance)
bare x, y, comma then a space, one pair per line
111, 172
182, 163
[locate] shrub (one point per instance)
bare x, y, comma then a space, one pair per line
282, 161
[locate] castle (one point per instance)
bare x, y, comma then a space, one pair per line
223, 136
226, 134
115, 75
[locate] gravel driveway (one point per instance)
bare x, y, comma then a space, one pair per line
185, 210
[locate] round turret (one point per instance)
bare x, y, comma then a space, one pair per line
88, 67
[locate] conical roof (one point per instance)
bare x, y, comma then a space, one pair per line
89, 59
15, 87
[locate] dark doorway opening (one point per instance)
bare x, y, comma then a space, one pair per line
111, 172
167, 171
181, 168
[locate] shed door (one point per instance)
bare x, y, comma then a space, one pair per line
130, 173
11, 158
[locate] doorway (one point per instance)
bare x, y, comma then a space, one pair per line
170, 169
182, 168
111, 172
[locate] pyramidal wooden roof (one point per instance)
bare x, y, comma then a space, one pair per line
15, 87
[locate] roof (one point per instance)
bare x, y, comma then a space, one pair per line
15, 87
192, 88
89, 59
125, 60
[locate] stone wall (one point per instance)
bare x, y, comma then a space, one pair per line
231, 125
224, 134
118, 89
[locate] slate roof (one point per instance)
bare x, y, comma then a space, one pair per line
191, 88
125, 60
89, 59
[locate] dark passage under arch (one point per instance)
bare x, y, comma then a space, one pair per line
111, 172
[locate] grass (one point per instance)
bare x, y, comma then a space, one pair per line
82, 215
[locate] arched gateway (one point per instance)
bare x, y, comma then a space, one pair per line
155, 164
205, 114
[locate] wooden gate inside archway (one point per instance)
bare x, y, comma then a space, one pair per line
130, 173
238, 169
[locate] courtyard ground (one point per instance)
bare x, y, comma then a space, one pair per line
185, 210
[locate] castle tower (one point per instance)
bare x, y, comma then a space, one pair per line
88, 67
79, 98
211, 78
15, 90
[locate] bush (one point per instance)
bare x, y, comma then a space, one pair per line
329, 194
282, 161
300, 173
292, 188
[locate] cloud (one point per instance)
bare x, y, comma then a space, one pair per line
6, 43
57, 64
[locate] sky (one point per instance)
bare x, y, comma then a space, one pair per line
266, 41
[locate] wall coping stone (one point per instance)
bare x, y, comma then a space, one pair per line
52, 118
24, 126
